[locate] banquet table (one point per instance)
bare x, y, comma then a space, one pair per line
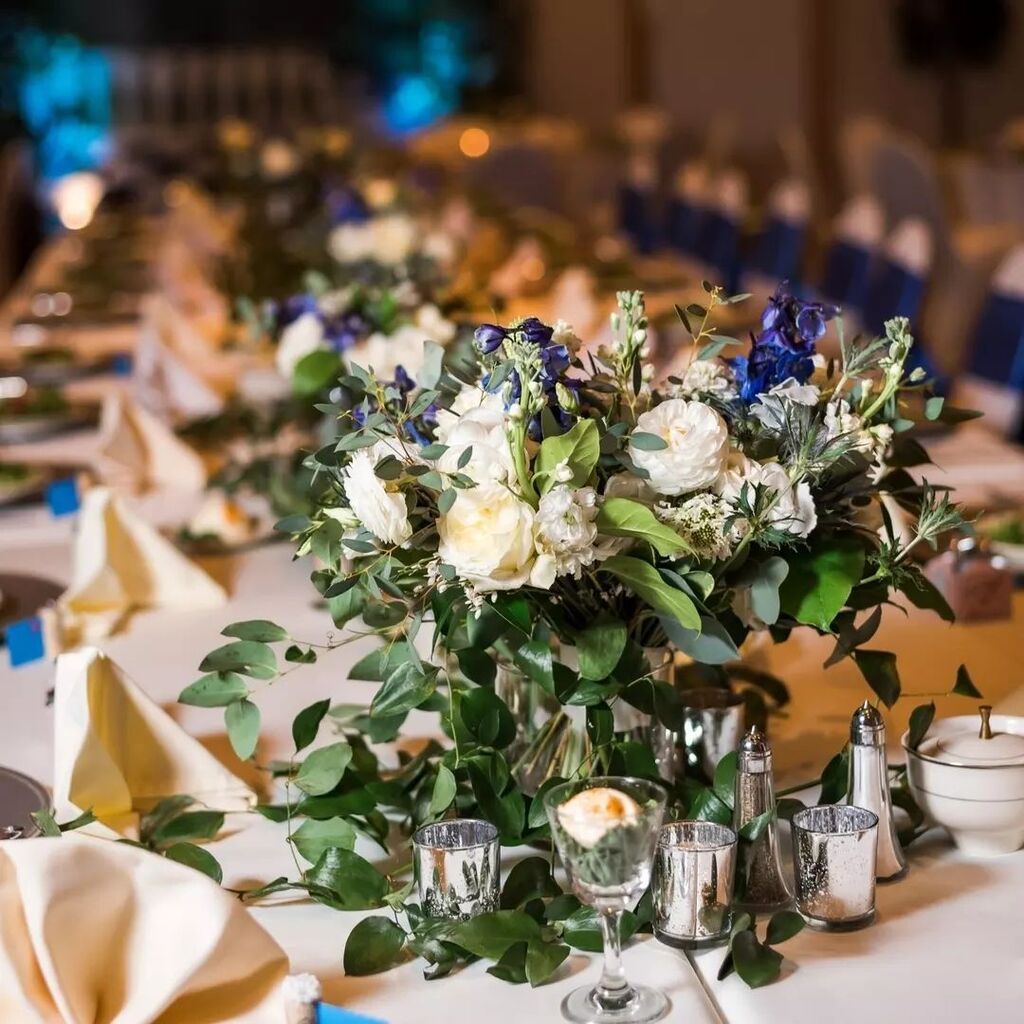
946, 944
946, 941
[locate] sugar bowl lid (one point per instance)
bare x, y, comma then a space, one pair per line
984, 749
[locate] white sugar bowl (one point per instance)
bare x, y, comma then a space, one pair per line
967, 775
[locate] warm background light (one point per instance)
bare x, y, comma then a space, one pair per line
474, 142
75, 198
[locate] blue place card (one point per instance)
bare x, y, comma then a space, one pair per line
25, 641
121, 364
62, 496
327, 1014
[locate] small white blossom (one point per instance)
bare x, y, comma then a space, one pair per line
563, 472
381, 511
701, 521
705, 377
563, 334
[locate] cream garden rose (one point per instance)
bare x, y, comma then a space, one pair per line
383, 512
476, 420
488, 537
697, 439
793, 510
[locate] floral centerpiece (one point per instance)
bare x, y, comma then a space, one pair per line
573, 524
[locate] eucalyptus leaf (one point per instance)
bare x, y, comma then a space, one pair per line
215, 690
444, 790
307, 723
964, 685
242, 720
710, 645
256, 629
314, 838
764, 580
406, 688
375, 944
197, 858
647, 442
315, 371
322, 769
247, 657
921, 719
190, 825
755, 963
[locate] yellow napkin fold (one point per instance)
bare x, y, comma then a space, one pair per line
119, 564
118, 753
95, 931
138, 452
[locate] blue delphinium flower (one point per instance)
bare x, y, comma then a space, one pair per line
345, 206
488, 338
790, 329
289, 310
341, 332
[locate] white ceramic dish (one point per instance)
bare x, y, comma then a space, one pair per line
979, 799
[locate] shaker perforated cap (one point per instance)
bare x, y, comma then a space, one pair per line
867, 727
754, 753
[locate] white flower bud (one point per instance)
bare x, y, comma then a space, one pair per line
640, 335
563, 474
515, 411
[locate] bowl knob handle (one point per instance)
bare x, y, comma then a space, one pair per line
986, 729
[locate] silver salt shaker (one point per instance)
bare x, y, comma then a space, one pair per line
760, 883
869, 787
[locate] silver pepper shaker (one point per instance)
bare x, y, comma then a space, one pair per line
761, 884
869, 787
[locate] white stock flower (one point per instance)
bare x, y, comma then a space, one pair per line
383, 512
705, 377
301, 337
697, 439
562, 333
841, 421
793, 508
566, 532
488, 537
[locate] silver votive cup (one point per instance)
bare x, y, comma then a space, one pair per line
712, 725
694, 866
457, 868
834, 849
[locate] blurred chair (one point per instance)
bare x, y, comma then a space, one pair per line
856, 234
638, 204
687, 207
994, 377
897, 283
778, 250
718, 240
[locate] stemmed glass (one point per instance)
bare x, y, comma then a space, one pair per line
606, 829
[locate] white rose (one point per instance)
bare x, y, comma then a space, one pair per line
392, 238
386, 352
381, 511
697, 439
488, 537
301, 337
476, 420
793, 509
349, 243
434, 324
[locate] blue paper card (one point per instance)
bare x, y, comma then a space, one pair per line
62, 496
327, 1014
121, 364
25, 641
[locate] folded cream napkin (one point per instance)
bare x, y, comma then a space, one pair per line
120, 564
118, 753
99, 931
137, 451
172, 365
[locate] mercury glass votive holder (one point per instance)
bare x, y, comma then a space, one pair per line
694, 868
457, 867
834, 848
711, 726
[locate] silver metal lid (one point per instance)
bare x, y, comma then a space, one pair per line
754, 753
867, 727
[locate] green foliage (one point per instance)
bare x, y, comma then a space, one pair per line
242, 719
647, 583
579, 448
820, 580
375, 944
622, 517
314, 838
323, 768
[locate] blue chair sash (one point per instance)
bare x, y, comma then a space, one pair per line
779, 249
638, 217
718, 244
997, 350
683, 224
845, 277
